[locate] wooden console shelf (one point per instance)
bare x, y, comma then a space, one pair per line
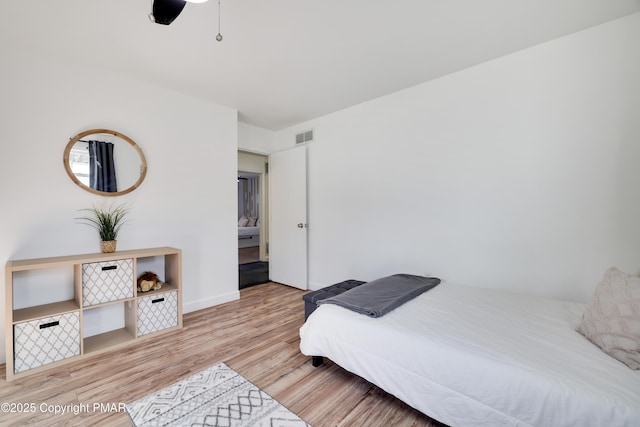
60, 309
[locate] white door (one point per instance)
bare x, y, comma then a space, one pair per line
288, 218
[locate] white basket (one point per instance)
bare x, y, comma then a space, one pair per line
47, 340
157, 312
107, 281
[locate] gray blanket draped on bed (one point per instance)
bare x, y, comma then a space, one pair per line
381, 296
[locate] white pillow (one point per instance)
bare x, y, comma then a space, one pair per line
252, 221
243, 221
612, 318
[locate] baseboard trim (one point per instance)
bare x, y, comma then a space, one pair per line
210, 302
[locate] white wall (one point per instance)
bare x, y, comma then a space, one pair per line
255, 139
188, 199
521, 173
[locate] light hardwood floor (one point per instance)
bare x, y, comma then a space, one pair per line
256, 335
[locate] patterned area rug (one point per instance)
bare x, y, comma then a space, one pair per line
217, 396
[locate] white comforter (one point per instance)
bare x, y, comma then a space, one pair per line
475, 357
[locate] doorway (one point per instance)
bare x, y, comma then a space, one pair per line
253, 262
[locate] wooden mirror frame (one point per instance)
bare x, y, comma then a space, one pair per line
72, 142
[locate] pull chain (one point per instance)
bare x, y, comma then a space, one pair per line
219, 36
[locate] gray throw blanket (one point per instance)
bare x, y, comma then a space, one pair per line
380, 296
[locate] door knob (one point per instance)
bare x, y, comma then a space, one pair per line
300, 225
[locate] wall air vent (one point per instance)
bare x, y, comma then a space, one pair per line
304, 137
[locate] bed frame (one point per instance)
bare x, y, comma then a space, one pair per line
310, 299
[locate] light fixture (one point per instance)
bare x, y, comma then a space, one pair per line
165, 11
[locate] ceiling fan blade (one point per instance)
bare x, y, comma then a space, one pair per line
165, 11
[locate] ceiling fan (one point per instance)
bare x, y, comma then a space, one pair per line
166, 11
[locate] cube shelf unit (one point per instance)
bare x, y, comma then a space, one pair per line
68, 321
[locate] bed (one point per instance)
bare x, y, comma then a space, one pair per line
475, 357
248, 236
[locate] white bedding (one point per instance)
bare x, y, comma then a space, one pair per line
248, 231
475, 357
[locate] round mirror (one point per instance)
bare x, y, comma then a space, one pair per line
105, 162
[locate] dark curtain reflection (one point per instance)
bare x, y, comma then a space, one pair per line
102, 170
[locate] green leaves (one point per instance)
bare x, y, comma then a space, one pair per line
108, 222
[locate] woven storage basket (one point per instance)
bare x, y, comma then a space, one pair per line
108, 246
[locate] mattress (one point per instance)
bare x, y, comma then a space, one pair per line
474, 357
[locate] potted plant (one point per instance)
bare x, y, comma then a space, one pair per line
108, 222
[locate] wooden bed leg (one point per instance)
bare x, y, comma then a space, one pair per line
317, 361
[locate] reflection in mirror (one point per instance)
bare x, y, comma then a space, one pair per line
105, 162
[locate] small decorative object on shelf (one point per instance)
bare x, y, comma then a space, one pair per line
108, 246
108, 222
149, 281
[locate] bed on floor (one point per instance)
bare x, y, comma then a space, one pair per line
248, 236
248, 231
475, 357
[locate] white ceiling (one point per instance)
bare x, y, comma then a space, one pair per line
283, 62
